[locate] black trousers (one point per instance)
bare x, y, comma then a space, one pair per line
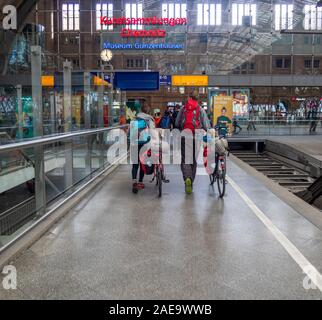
136, 166
188, 161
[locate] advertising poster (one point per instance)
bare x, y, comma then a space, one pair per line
214, 92
219, 102
76, 110
27, 116
219, 98
240, 102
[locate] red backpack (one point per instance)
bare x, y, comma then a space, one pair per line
191, 118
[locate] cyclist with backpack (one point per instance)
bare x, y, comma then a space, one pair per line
140, 135
191, 116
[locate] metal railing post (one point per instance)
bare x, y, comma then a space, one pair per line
20, 111
87, 122
68, 123
87, 107
37, 120
111, 101
101, 150
67, 96
68, 164
88, 155
100, 102
52, 112
39, 163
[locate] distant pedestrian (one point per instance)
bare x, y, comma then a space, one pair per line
235, 126
251, 124
175, 114
165, 122
157, 118
314, 119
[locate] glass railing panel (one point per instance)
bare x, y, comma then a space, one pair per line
58, 169
36, 175
17, 199
81, 158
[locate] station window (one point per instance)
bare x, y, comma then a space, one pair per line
282, 63
308, 63
316, 64
134, 63
103, 10
75, 63
209, 14
243, 14
284, 17
71, 40
70, 15
174, 10
134, 10
175, 67
236, 70
312, 17
307, 40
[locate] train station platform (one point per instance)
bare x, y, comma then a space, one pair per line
118, 245
302, 150
309, 145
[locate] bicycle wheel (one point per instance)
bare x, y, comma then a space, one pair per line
221, 183
159, 182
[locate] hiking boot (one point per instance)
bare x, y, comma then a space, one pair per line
135, 188
188, 186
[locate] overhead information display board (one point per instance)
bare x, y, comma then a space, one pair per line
165, 80
190, 80
137, 81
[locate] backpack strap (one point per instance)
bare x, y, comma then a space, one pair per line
139, 130
146, 122
196, 116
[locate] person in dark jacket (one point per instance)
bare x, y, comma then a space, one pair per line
235, 126
174, 115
